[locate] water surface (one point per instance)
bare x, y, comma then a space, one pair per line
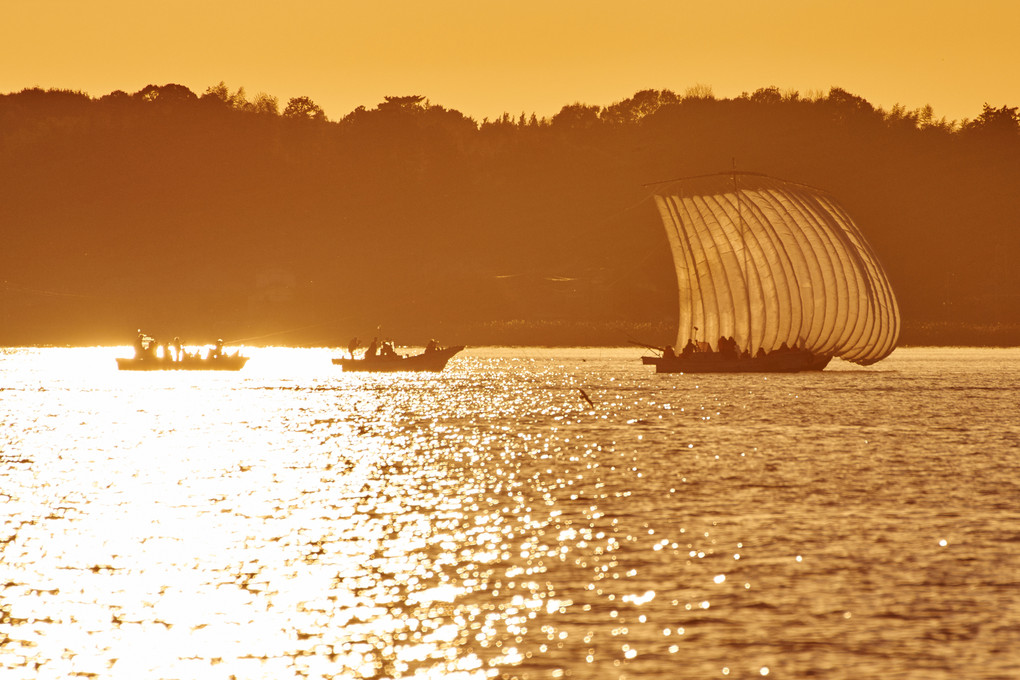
291, 520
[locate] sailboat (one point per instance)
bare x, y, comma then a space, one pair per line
772, 276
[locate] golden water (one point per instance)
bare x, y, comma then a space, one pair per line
294, 521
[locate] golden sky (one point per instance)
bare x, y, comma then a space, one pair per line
490, 56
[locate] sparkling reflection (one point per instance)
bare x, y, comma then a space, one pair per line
489, 521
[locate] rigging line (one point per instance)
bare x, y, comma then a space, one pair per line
284, 332
8, 286
711, 174
577, 259
728, 173
624, 210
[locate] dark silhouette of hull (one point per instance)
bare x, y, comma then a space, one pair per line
431, 362
223, 363
712, 362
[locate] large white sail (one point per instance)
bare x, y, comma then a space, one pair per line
772, 263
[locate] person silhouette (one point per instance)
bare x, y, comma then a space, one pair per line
140, 345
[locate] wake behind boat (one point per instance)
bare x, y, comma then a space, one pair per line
772, 276
172, 356
387, 360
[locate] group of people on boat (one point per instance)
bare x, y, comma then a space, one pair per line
726, 348
386, 350
173, 351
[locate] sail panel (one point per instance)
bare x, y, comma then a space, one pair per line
778, 276
722, 241
682, 254
795, 243
820, 259
771, 263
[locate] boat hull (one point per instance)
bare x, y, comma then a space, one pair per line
431, 362
711, 362
227, 363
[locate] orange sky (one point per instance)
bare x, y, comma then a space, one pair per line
486, 57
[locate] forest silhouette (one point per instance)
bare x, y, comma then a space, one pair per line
216, 215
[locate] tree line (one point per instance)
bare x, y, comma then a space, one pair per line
219, 214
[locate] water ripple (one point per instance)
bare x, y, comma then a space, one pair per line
527, 513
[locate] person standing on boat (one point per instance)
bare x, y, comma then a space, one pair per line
140, 345
371, 351
177, 348
433, 346
727, 347
353, 345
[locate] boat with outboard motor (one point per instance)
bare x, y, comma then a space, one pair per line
432, 360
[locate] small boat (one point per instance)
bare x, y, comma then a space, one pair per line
174, 358
431, 360
225, 362
772, 277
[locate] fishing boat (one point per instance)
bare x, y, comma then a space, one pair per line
431, 360
226, 362
708, 361
772, 276
174, 357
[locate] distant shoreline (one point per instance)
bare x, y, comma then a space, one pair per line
525, 333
